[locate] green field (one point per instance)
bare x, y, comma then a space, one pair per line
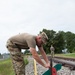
6, 67
70, 55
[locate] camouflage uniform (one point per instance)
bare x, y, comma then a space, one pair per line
17, 58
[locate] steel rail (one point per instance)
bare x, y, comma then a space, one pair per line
65, 58
69, 64
71, 59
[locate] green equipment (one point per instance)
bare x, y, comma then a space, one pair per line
54, 70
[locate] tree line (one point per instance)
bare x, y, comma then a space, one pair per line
60, 40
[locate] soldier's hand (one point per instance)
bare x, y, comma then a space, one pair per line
47, 65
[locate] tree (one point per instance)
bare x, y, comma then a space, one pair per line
70, 40
60, 40
0, 54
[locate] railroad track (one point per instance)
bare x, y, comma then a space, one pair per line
65, 70
71, 59
68, 62
35, 69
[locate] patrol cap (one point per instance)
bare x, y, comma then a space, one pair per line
44, 37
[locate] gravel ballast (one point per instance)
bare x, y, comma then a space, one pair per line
40, 69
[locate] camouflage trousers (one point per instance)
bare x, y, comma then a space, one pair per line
17, 58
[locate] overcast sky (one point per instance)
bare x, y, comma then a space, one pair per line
17, 16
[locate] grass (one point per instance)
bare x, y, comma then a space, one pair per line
6, 67
70, 55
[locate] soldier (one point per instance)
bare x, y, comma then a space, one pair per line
26, 41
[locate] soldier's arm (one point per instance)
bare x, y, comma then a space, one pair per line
43, 54
36, 56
